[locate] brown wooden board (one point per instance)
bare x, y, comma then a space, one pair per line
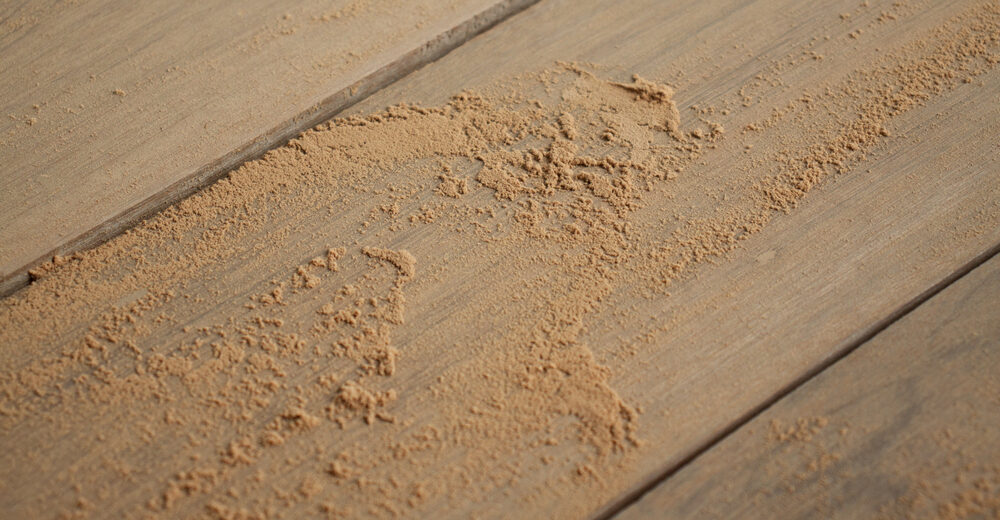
904, 427
114, 110
546, 365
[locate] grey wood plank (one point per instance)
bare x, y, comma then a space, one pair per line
906, 426
115, 110
903, 213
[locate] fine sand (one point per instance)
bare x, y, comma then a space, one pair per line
392, 315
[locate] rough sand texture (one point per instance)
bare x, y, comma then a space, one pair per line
530, 294
115, 109
905, 427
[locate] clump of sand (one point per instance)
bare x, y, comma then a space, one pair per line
224, 356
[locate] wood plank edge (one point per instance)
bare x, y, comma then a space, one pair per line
426, 53
618, 505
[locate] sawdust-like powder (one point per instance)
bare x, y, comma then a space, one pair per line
380, 374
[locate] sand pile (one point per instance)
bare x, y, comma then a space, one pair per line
390, 313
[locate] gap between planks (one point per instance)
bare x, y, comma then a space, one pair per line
428, 52
614, 508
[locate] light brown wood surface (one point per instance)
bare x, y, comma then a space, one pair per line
201, 88
906, 426
811, 284
738, 330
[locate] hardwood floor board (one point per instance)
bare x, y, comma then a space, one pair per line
772, 296
904, 427
115, 110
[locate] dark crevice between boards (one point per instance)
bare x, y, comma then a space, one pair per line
612, 509
426, 53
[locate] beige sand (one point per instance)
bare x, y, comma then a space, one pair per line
185, 368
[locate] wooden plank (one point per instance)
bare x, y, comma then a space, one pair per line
114, 110
904, 427
539, 365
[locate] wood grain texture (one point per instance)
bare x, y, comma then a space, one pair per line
115, 110
906, 426
733, 334
807, 287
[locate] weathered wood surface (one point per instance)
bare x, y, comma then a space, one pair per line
114, 110
906, 426
908, 212
810, 285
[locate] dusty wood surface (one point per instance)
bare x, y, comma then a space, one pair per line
810, 284
114, 110
908, 210
904, 427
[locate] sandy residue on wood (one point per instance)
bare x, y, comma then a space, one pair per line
195, 344
124, 102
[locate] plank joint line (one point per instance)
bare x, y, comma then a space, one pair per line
630, 498
426, 53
